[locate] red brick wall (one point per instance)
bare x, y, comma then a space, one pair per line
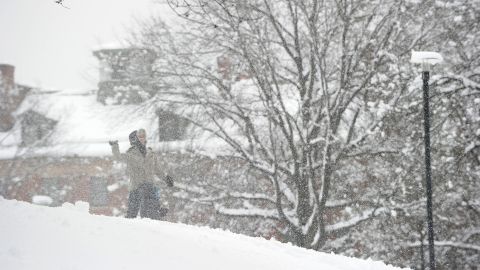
72, 176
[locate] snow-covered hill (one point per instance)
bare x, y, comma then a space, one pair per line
39, 237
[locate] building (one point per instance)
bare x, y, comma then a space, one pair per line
57, 147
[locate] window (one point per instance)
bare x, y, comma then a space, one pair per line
171, 126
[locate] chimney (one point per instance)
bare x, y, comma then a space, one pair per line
7, 83
7, 75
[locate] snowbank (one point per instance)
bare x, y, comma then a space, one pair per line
39, 237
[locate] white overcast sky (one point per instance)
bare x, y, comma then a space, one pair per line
51, 47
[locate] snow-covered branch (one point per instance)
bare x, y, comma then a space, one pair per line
447, 244
247, 212
463, 80
355, 220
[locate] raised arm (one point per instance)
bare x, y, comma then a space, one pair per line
126, 157
116, 151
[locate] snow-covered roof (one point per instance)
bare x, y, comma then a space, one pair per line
115, 49
109, 46
84, 126
82, 119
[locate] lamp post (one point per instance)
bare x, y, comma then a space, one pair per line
427, 59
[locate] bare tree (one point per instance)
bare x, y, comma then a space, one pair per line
317, 97
321, 76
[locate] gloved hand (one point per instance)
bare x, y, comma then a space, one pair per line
112, 143
169, 180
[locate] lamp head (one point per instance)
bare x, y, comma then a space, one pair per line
426, 59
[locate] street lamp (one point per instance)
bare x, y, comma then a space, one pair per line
427, 59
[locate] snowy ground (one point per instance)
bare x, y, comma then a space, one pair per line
39, 237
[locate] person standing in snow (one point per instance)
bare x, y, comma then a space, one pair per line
142, 166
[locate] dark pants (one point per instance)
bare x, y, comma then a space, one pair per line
143, 198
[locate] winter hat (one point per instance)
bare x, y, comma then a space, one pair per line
133, 137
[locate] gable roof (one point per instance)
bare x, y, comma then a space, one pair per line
84, 126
